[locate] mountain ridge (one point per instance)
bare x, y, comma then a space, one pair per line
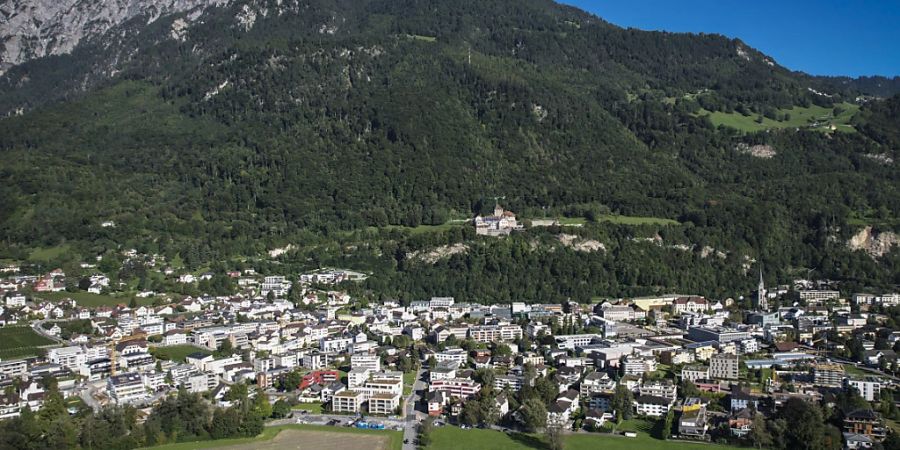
256, 127
33, 31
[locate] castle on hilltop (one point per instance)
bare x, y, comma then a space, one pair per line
501, 223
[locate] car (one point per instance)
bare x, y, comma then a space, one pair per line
406, 441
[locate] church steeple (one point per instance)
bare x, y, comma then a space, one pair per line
762, 301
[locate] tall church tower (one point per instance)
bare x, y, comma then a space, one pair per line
762, 302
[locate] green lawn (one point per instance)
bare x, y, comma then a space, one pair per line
572, 221
48, 253
618, 219
636, 220
19, 342
420, 37
315, 408
800, 117
409, 378
448, 438
638, 425
850, 369
90, 300
177, 352
271, 432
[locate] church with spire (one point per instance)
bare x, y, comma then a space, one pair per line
762, 300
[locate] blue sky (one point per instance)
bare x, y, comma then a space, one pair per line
824, 37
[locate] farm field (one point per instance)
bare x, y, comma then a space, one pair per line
447, 438
177, 352
18, 342
301, 437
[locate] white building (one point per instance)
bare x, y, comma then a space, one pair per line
456, 387
126, 389
651, 406
869, 388
70, 357
456, 355
572, 341
347, 401
334, 344
638, 365
365, 361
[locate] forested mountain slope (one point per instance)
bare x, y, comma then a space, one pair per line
224, 131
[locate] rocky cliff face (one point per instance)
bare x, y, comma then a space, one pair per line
35, 28
876, 244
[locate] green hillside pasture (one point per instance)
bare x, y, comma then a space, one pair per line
800, 117
47, 254
91, 300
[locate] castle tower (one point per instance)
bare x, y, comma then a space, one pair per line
762, 302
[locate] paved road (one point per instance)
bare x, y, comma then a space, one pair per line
413, 417
409, 422
36, 326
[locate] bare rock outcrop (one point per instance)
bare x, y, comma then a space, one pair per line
32, 29
876, 244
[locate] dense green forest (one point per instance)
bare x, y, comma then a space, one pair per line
317, 124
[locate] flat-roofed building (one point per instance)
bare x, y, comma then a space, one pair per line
573, 341
717, 334
694, 373
492, 333
347, 401
724, 366
126, 388
12, 369
384, 403
365, 361
456, 387
828, 374
869, 388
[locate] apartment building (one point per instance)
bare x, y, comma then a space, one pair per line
724, 366
126, 389
348, 401
456, 387
492, 333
